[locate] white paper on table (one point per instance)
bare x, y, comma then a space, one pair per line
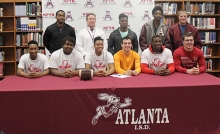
119, 76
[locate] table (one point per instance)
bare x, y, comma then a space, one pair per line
175, 104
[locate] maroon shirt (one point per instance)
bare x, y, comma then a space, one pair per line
174, 38
184, 60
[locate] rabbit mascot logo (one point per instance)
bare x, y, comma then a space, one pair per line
113, 104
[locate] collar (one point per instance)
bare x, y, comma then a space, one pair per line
117, 31
90, 28
60, 27
155, 25
181, 25
152, 51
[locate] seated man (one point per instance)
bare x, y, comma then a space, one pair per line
189, 59
33, 64
157, 59
66, 61
127, 61
101, 61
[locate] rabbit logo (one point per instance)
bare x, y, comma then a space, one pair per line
113, 103
127, 3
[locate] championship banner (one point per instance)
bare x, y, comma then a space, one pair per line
107, 12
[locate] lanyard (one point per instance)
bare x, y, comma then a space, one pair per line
91, 35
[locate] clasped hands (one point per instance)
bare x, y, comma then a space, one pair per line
131, 72
68, 73
32, 75
162, 72
194, 70
101, 73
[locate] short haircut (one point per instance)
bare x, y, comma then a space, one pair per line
89, 15
187, 34
157, 8
32, 42
125, 38
155, 36
122, 16
59, 11
69, 39
181, 11
97, 38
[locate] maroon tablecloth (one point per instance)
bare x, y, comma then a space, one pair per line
175, 104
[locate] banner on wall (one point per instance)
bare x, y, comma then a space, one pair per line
107, 12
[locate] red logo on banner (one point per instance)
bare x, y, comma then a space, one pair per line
49, 4
68, 0
146, 0
69, 16
127, 3
128, 13
108, 28
108, 1
146, 16
84, 14
107, 16
48, 15
88, 4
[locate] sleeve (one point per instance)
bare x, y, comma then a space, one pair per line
171, 67
144, 57
22, 62
118, 68
169, 62
52, 62
79, 44
105, 41
80, 62
110, 58
169, 58
169, 40
142, 38
88, 58
46, 39
46, 63
111, 43
198, 42
146, 69
135, 43
73, 34
137, 62
145, 63
202, 63
177, 62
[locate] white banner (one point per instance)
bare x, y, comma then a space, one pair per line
107, 12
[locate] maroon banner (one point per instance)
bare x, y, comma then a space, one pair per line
174, 104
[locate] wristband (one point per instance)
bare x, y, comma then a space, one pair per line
74, 73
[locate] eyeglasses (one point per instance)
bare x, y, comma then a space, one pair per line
189, 40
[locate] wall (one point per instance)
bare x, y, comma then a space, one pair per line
107, 12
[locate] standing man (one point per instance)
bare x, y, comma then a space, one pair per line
127, 61
177, 30
157, 59
33, 64
114, 41
187, 58
101, 61
66, 61
56, 32
85, 38
153, 27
